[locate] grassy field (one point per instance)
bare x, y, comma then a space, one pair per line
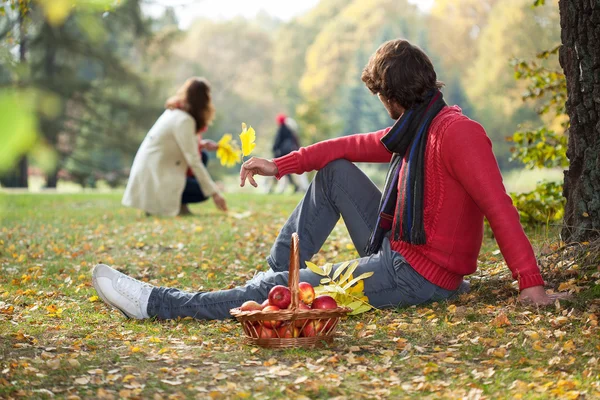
58, 341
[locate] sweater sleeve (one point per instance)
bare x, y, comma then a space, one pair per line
188, 143
362, 147
467, 154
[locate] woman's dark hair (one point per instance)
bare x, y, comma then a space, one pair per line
400, 71
194, 98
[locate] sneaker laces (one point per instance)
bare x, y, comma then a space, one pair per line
131, 288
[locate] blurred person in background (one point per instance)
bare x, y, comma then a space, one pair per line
157, 183
192, 192
286, 141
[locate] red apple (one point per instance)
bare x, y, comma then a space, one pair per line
265, 303
251, 305
312, 328
300, 322
307, 293
271, 324
324, 302
280, 296
288, 331
265, 333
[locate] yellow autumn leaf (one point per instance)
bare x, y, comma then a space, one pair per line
342, 286
314, 268
93, 299
248, 136
228, 151
359, 287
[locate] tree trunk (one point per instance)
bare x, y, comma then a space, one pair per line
52, 179
17, 178
580, 59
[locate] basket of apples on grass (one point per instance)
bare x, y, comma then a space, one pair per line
291, 316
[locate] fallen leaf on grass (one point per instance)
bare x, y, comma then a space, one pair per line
172, 383
84, 380
501, 320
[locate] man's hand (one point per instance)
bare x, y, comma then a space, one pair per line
538, 296
220, 202
256, 166
209, 145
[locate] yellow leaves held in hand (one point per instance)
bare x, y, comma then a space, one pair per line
228, 152
248, 136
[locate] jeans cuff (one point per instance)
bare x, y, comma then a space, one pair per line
153, 303
273, 265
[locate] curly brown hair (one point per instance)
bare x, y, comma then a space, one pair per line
194, 98
401, 72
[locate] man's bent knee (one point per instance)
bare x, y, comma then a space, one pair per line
335, 168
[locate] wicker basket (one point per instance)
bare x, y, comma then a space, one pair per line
292, 321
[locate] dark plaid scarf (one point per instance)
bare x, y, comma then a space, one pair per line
406, 140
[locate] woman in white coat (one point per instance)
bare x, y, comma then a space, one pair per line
157, 181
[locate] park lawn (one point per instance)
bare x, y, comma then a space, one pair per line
57, 340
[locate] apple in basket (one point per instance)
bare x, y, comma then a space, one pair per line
251, 305
312, 328
288, 331
265, 333
300, 322
265, 303
280, 296
307, 292
271, 324
325, 302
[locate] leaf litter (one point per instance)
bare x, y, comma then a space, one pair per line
62, 342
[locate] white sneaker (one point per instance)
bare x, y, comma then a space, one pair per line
122, 292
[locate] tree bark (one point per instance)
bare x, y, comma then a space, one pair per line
579, 57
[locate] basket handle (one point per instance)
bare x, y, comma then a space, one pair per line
294, 271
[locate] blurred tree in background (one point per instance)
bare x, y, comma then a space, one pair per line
91, 79
81, 70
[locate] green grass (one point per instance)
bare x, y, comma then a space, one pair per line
56, 340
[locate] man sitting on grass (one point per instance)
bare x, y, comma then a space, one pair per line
420, 237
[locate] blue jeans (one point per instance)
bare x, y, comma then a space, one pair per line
339, 189
192, 193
